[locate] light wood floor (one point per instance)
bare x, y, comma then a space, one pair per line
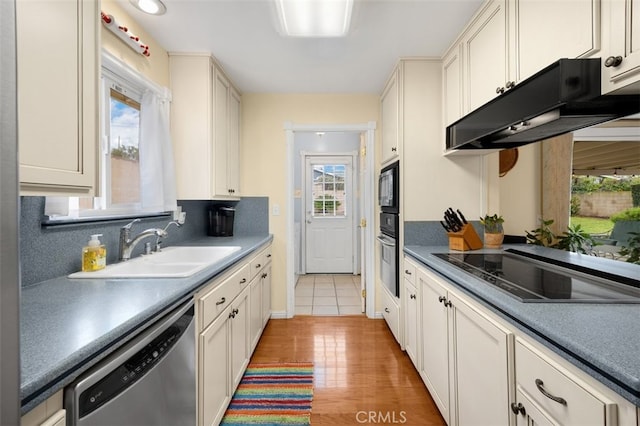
359, 370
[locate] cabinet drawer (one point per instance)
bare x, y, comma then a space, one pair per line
216, 300
391, 314
260, 261
537, 376
409, 270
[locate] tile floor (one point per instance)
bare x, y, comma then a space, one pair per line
321, 294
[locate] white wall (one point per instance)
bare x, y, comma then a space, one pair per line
264, 153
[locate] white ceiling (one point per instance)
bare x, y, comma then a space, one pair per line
244, 37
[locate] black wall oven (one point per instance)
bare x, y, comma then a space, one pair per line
389, 252
389, 188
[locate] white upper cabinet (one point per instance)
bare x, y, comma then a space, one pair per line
546, 31
621, 45
485, 55
205, 128
452, 85
510, 40
390, 113
58, 69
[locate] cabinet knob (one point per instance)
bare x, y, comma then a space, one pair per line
264, 275
499, 89
413, 296
518, 408
613, 61
510, 84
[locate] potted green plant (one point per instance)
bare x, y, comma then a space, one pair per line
493, 231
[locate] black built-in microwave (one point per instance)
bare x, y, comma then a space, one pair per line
389, 188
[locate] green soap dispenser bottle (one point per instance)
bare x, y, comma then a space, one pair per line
94, 255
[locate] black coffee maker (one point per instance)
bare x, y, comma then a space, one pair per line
221, 221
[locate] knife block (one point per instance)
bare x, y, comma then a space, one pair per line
465, 239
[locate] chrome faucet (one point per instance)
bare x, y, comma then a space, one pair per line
127, 244
158, 246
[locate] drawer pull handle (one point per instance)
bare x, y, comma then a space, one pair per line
406, 271
265, 275
269, 255
221, 301
235, 312
387, 310
540, 385
413, 296
258, 265
442, 299
242, 281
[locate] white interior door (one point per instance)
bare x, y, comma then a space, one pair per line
329, 214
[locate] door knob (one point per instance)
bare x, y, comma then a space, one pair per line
308, 221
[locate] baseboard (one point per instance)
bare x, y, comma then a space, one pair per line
378, 315
279, 314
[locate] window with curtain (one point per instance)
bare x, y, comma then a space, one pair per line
137, 172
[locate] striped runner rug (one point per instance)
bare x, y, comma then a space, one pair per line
272, 394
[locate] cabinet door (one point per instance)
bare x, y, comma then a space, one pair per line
390, 114
57, 63
411, 322
485, 55
435, 341
452, 83
544, 34
622, 30
233, 149
214, 384
266, 294
240, 325
255, 306
191, 92
482, 364
221, 87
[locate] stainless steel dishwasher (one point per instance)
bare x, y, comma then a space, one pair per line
149, 381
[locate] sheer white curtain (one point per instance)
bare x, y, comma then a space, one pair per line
157, 173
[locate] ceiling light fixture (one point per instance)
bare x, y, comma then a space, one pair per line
152, 7
315, 18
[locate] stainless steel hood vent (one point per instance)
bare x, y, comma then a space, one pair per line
563, 97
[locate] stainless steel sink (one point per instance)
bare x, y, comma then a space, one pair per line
171, 262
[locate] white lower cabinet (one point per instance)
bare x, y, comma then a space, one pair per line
266, 294
466, 356
410, 315
547, 393
482, 370
214, 387
391, 313
230, 319
239, 323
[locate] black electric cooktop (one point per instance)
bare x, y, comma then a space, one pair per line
530, 279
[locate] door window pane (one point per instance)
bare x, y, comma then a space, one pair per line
329, 198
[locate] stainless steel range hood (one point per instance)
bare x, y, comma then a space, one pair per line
563, 97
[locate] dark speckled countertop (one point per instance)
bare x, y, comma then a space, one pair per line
68, 325
601, 339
